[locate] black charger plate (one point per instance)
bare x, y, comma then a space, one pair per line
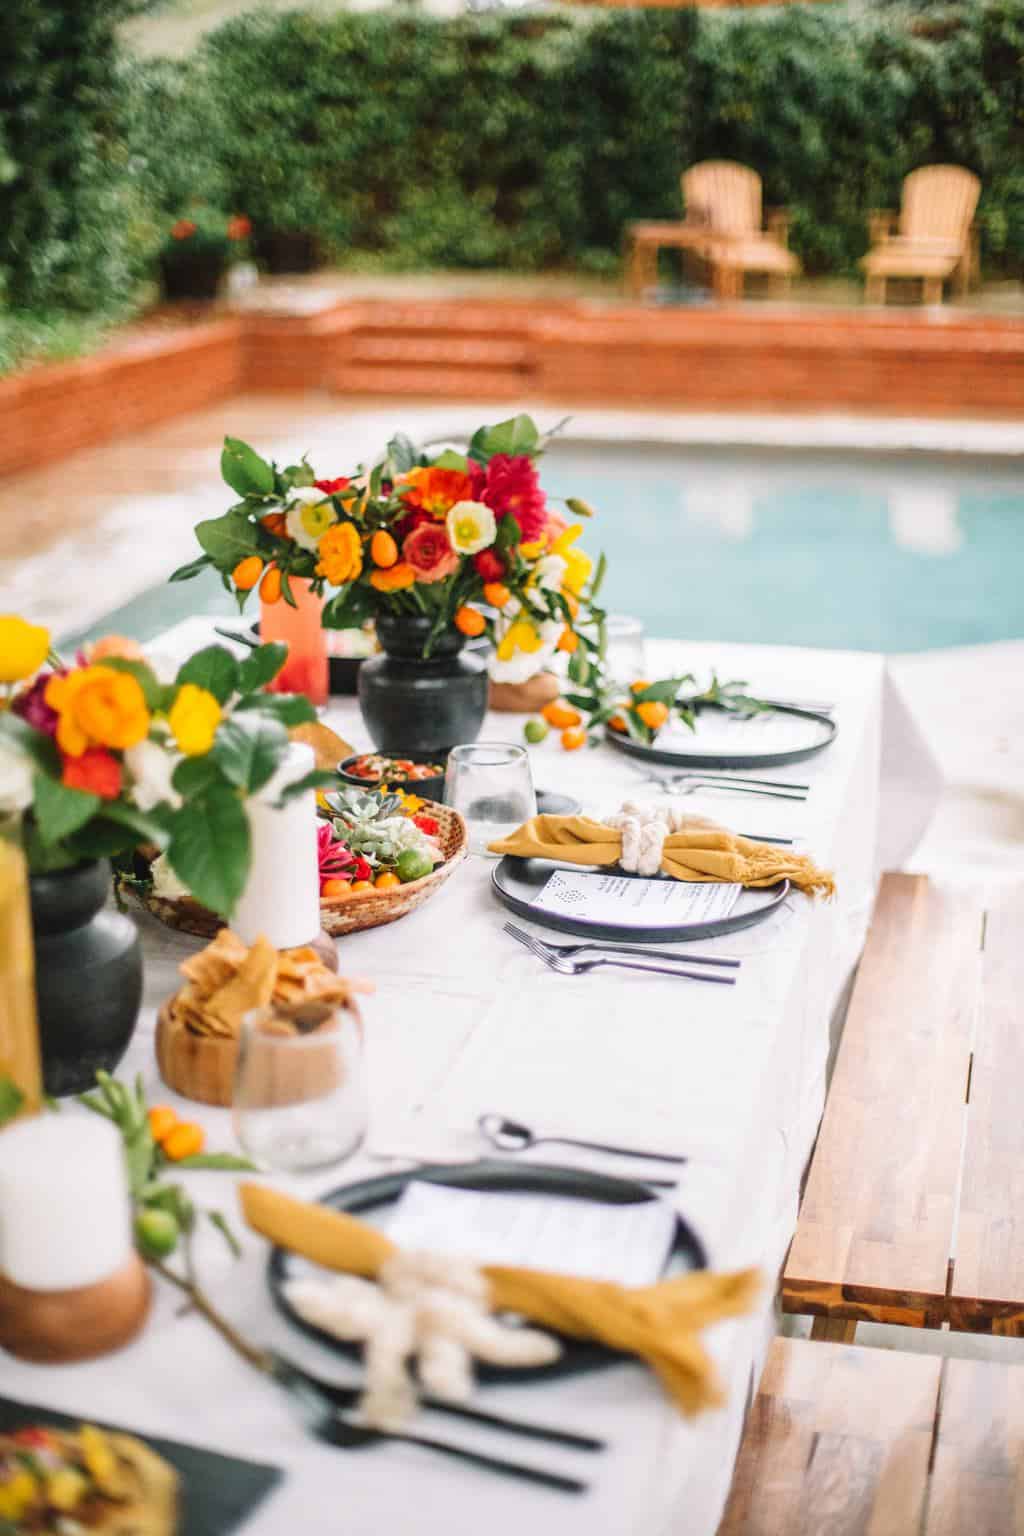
369, 1195
217, 1492
821, 728
517, 882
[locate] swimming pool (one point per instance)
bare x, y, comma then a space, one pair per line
864, 552
886, 552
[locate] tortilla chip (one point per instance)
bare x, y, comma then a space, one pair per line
252, 987
328, 747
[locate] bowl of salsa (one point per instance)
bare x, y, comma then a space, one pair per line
373, 770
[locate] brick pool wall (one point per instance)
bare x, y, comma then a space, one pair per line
897, 362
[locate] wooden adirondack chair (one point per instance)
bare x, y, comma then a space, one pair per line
723, 226
936, 238
725, 199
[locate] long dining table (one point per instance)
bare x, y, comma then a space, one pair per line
463, 1021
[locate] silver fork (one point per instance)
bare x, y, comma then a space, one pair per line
691, 783
570, 951
566, 967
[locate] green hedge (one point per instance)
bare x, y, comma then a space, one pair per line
523, 141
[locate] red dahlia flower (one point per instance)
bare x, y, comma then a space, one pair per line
95, 770
512, 486
330, 487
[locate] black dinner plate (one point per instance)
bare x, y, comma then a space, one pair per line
218, 1493
821, 733
517, 882
369, 1195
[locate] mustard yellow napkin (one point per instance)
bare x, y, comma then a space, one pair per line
701, 851
659, 1323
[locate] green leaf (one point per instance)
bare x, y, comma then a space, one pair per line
244, 470
508, 534
249, 749
100, 838
515, 436
226, 1162
59, 811
193, 775
229, 538
23, 738
290, 708
210, 848
664, 692
221, 1223
317, 778
149, 828
376, 477
146, 678
11, 1099
579, 666
349, 608
598, 578
261, 665
286, 589
402, 453
186, 572
452, 460
213, 668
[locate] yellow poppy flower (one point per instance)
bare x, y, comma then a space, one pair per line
341, 554
194, 718
23, 648
520, 636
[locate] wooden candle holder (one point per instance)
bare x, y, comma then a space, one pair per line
56, 1327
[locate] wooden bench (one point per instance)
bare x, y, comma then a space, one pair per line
913, 1211
875, 1442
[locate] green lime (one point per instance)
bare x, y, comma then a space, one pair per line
412, 864
535, 730
156, 1232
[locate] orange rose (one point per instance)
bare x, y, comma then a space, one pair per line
396, 579
341, 554
116, 645
97, 707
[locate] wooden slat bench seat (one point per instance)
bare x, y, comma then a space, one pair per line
877, 1442
913, 1211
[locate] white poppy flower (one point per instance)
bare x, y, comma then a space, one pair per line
151, 766
309, 516
15, 779
471, 527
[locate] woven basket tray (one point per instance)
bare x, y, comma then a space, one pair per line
339, 914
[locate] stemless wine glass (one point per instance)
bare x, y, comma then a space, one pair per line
625, 648
300, 1088
490, 783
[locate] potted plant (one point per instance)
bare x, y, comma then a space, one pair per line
437, 548
100, 757
199, 248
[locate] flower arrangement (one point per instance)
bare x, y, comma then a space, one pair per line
469, 540
102, 756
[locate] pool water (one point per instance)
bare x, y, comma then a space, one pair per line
882, 553
878, 552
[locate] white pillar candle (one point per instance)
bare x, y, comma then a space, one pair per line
65, 1215
281, 899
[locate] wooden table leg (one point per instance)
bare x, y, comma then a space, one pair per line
933, 290
834, 1330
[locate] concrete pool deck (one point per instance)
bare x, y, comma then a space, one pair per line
84, 537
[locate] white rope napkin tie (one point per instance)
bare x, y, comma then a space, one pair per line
427, 1305
644, 829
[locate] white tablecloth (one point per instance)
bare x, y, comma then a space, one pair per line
464, 1021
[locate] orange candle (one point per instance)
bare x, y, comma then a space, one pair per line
301, 630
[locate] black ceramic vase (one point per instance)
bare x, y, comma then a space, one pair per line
416, 706
88, 976
192, 274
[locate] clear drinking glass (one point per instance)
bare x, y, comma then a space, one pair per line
300, 1086
490, 783
625, 652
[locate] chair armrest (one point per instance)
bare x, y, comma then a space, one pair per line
777, 224
881, 222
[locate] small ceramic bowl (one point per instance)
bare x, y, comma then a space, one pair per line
431, 788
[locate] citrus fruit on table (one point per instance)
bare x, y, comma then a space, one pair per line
412, 864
